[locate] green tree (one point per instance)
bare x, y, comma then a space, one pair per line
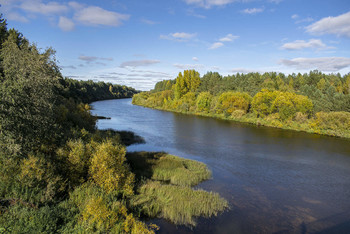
203, 102
188, 82
27, 95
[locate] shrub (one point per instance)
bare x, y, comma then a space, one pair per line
203, 102
231, 101
108, 168
339, 121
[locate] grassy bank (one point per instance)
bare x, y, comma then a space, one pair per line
165, 188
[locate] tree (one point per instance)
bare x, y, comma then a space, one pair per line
203, 102
108, 168
188, 82
210, 82
230, 101
27, 95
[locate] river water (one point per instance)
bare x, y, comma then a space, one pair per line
276, 181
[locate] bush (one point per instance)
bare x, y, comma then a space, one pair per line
203, 102
331, 121
108, 168
231, 101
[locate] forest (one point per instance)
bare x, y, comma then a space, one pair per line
312, 102
59, 174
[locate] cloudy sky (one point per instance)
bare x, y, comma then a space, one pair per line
139, 42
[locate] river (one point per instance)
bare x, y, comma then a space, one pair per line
276, 181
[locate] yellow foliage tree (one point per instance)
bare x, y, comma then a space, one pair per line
108, 168
231, 101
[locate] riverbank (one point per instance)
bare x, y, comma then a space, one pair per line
314, 125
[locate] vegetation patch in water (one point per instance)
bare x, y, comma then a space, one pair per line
165, 188
178, 204
168, 168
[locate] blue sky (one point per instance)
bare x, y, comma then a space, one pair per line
138, 42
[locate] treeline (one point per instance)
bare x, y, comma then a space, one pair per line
89, 91
312, 102
58, 174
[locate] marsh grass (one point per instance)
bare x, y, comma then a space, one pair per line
168, 168
165, 188
178, 204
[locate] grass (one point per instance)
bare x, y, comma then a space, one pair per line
178, 204
165, 188
168, 168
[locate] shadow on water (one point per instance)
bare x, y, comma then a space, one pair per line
276, 181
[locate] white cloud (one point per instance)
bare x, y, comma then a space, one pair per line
69, 67
191, 12
216, 45
228, 37
182, 35
305, 20
195, 59
94, 60
301, 44
275, 1
209, 3
16, 17
36, 6
76, 5
252, 11
332, 64
95, 16
243, 70
65, 24
338, 25
178, 36
188, 66
295, 16
138, 63
147, 21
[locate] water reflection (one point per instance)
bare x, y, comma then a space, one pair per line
275, 180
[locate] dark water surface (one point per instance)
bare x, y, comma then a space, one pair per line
276, 181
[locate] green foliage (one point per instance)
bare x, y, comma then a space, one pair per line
211, 82
270, 99
21, 218
203, 102
27, 94
76, 160
108, 168
188, 82
89, 91
331, 121
229, 102
163, 85
286, 104
49, 147
92, 210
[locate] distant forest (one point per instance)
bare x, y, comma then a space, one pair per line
313, 102
89, 91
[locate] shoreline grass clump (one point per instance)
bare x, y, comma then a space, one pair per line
165, 191
179, 204
168, 168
